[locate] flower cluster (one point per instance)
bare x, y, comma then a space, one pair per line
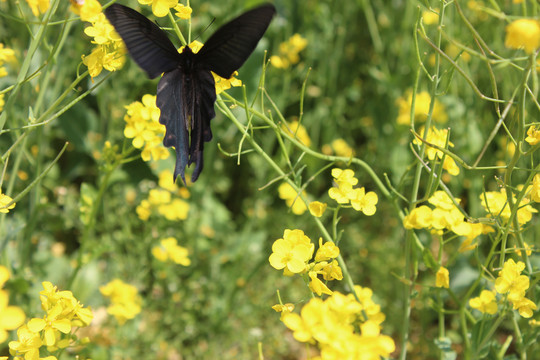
523, 33
11, 317
125, 300
421, 108
165, 201
496, 204
289, 52
445, 216
344, 192
291, 197
333, 324
513, 285
110, 50
64, 314
293, 252
438, 138
142, 125
171, 251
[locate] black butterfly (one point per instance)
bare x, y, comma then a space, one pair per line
186, 93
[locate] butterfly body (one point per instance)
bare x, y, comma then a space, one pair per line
186, 92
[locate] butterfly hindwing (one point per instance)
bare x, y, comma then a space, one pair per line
230, 46
170, 100
147, 44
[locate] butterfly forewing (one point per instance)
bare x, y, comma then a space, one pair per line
146, 42
230, 46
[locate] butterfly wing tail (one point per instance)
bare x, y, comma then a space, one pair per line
170, 97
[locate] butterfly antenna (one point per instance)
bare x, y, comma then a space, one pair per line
206, 28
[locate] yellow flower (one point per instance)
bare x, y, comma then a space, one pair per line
345, 180
292, 252
442, 278
38, 6
430, 17
418, 218
28, 343
4, 201
326, 251
421, 108
183, 12
438, 137
169, 249
495, 203
533, 136
525, 307
523, 33
485, 303
289, 52
102, 31
317, 286
11, 317
317, 208
535, 190
511, 281
341, 148
298, 131
223, 84
160, 8
295, 202
331, 271
125, 300
363, 202
89, 10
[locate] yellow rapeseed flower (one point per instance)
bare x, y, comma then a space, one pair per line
421, 108
533, 136
485, 303
292, 252
160, 8
295, 202
523, 33
442, 278
511, 282
317, 208
183, 12
125, 300
38, 6
4, 201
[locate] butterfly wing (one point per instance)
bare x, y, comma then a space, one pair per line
186, 102
230, 46
147, 44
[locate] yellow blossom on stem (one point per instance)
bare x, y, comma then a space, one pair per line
170, 250
298, 131
418, 218
363, 202
331, 271
317, 208
183, 12
495, 202
89, 10
292, 252
38, 6
27, 343
125, 300
523, 33
341, 148
4, 201
317, 286
289, 52
535, 190
442, 278
326, 251
223, 84
525, 307
295, 202
533, 136
485, 303
421, 108
438, 137
160, 8
511, 282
